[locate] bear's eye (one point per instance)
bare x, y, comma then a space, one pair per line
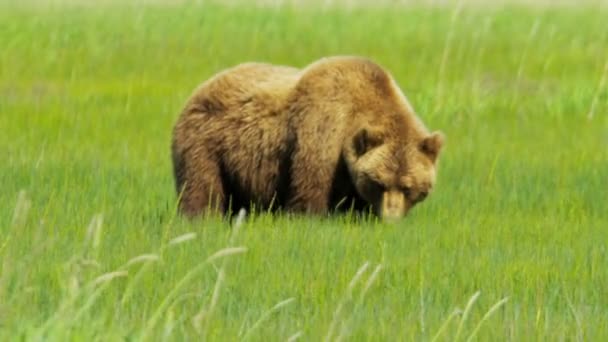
374, 185
378, 186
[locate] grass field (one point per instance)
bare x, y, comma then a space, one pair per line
88, 97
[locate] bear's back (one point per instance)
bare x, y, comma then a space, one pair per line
248, 89
370, 91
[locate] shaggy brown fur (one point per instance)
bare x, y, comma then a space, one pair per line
336, 133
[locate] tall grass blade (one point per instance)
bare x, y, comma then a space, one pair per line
465, 314
598, 93
265, 316
295, 336
445, 324
372, 278
181, 239
577, 319
345, 299
494, 308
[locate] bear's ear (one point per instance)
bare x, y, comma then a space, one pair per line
431, 145
365, 140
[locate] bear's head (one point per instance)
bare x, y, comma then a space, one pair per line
392, 172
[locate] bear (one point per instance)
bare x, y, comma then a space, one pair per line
335, 135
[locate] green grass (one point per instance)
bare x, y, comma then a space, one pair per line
88, 97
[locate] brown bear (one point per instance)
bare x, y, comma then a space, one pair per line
337, 134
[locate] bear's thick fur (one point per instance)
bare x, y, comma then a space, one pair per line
336, 134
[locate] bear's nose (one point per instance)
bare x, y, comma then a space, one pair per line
394, 205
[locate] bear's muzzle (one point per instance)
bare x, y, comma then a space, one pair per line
394, 205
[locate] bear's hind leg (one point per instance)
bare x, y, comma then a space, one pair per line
202, 189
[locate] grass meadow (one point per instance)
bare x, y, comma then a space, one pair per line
512, 245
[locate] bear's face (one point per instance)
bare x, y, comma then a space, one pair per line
391, 174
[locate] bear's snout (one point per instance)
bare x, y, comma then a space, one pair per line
394, 205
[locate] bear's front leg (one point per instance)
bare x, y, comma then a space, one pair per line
312, 175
